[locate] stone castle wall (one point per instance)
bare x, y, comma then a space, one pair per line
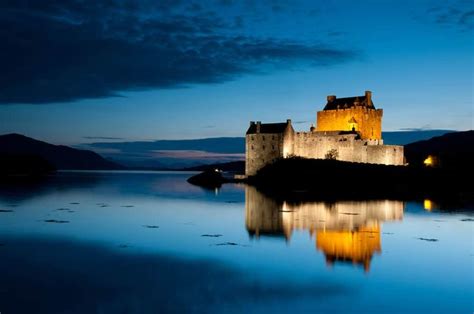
348, 148
369, 121
261, 149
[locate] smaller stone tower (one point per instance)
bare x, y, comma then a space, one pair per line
265, 143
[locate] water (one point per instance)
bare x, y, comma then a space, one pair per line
148, 242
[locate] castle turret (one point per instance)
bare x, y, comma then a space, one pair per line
368, 98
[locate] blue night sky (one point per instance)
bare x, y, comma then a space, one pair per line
86, 71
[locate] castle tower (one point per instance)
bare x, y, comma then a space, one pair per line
356, 114
265, 143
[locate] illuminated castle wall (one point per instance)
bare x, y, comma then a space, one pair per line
344, 231
350, 126
345, 114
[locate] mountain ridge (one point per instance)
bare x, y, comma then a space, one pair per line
60, 156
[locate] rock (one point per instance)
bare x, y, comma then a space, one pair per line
428, 239
56, 221
151, 226
208, 179
226, 243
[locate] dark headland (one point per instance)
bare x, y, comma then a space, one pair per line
25, 157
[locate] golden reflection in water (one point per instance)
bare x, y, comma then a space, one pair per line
357, 247
430, 205
345, 231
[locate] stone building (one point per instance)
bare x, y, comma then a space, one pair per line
347, 129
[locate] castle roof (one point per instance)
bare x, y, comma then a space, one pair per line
267, 128
349, 102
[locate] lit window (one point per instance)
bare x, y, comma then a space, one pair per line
429, 161
428, 205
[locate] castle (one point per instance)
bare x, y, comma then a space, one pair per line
347, 129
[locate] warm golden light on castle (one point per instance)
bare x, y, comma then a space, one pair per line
351, 114
350, 128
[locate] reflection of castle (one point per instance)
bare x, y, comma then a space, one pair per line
344, 231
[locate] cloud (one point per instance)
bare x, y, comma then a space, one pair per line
225, 145
460, 15
335, 33
196, 154
467, 19
426, 127
171, 153
301, 122
61, 51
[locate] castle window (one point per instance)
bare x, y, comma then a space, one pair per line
263, 147
273, 137
263, 138
252, 147
273, 147
251, 138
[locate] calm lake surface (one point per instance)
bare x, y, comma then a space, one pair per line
149, 242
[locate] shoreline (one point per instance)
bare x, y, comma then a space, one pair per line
299, 179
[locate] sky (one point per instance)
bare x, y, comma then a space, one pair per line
77, 72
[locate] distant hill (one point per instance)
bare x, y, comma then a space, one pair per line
454, 150
59, 156
407, 137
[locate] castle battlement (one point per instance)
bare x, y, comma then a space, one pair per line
347, 129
